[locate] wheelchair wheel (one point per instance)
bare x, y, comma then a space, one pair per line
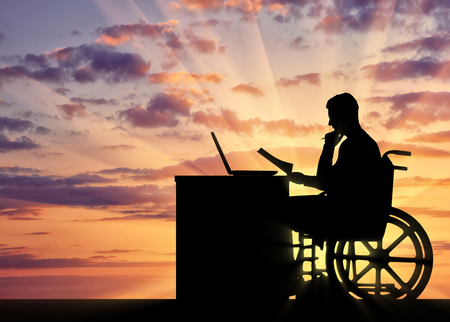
397, 267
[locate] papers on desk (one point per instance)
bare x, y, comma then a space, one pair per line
285, 166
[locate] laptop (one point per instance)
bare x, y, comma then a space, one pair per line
240, 172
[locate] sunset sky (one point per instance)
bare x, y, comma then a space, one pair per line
103, 102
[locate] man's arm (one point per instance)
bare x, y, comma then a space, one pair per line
320, 180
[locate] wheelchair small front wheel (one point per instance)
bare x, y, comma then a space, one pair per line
398, 267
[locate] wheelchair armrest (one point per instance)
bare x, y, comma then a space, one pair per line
397, 152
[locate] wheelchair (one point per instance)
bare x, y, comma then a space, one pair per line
396, 265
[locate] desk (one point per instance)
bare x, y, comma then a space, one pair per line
229, 243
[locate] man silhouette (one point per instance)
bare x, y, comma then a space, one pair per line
352, 187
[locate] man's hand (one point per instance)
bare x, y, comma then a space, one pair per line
297, 177
333, 138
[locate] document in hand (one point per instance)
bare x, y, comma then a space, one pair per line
285, 166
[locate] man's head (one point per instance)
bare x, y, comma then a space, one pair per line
343, 112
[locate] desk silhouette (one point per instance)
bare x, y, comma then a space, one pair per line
229, 244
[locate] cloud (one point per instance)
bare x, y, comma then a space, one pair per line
83, 179
89, 287
119, 147
84, 64
22, 143
184, 77
19, 125
39, 233
311, 79
118, 34
202, 4
162, 110
70, 111
427, 211
436, 137
203, 44
360, 16
30, 261
116, 251
9, 74
298, 43
94, 101
248, 89
408, 69
16, 169
161, 216
24, 213
419, 181
416, 150
425, 45
411, 110
15, 125
68, 191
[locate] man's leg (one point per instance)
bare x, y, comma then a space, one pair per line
307, 214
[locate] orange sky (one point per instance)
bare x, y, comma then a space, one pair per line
102, 103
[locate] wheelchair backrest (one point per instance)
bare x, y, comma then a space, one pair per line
388, 174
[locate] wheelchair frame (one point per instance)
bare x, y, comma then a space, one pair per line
371, 267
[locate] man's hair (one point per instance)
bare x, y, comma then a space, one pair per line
344, 103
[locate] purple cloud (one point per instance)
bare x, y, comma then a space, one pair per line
162, 110
408, 69
22, 143
83, 64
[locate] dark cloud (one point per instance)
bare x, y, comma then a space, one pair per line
22, 143
408, 69
424, 45
85, 287
94, 101
356, 15
83, 179
62, 91
412, 110
160, 216
70, 111
68, 191
15, 125
17, 169
83, 64
162, 110
20, 126
30, 261
115, 251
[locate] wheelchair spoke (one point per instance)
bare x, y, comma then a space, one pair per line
366, 269
397, 242
368, 246
396, 277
